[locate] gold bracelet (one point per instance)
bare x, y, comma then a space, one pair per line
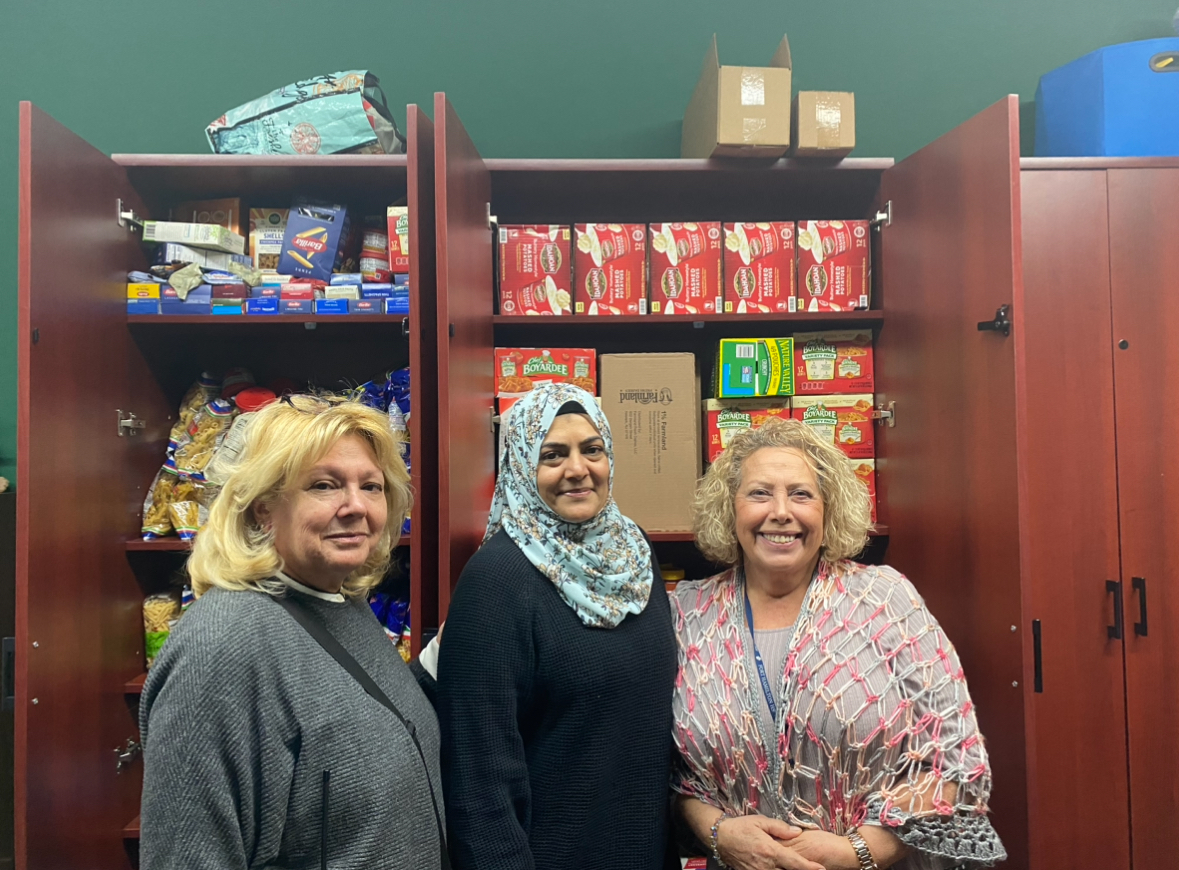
863, 853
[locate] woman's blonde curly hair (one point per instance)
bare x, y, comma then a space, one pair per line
284, 439
847, 511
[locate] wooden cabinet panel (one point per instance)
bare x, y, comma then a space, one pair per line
1078, 728
1144, 276
948, 470
465, 386
423, 373
79, 633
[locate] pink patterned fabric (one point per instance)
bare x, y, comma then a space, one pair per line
875, 723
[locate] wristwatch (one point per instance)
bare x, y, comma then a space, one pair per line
712, 841
863, 853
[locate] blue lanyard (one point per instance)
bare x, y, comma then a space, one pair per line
761, 668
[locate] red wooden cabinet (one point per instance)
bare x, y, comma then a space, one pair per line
81, 573
1003, 478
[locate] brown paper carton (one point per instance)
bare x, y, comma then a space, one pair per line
739, 111
824, 124
652, 401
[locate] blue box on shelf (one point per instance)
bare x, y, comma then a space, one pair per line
268, 305
365, 306
228, 310
188, 306
143, 306
1118, 101
397, 305
294, 306
331, 306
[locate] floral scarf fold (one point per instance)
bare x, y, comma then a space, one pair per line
601, 567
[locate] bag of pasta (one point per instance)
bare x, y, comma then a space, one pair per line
200, 393
156, 521
188, 507
205, 432
160, 612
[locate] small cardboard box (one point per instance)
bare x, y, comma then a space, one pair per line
652, 401
267, 228
739, 111
750, 367
519, 369
845, 421
315, 240
535, 269
211, 236
398, 220
610, 269
263, 305
834, 265
833, 362
865, 470
228, 306
686, 268
366, 306
759, 268
295, 306
824, 124
143, 306
331, 306
143, 291
726, 418
225, 212
397, 305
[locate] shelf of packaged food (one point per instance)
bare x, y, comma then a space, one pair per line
266, 319
816, 320
175, 545
131, 829
134, 686
878, 531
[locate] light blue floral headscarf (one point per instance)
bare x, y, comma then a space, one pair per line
602, 567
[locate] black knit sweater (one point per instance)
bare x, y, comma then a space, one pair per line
556, 736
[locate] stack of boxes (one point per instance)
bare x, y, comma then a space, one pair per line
684, 269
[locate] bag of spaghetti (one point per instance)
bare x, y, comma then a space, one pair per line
157, 523
199, 394
205, 432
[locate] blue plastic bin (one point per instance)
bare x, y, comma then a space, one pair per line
1118, 101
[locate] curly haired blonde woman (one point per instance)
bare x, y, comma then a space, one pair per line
260, 748
821, 715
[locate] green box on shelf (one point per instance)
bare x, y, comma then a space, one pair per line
751, 367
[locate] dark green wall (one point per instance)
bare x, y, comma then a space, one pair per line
529, 77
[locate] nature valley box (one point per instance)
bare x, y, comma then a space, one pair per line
826, 363
759, 268
652, 401
724, 419
686, 268
535, 270
750, 367
834, 269
865, 470
845, 421
610, 269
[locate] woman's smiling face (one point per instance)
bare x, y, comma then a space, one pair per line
573, 476
779, 515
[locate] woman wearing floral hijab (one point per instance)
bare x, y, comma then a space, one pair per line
556, 677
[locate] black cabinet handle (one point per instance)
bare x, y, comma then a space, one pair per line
1139, 586
1039, 680
1114, 631
1001, 323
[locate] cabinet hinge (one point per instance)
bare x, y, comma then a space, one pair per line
886, 414
126, 755
129, 424
883, 218
127, 217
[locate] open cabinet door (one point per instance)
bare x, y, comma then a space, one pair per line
949, 468
1144, 277
79, 630
466, 462
423, 375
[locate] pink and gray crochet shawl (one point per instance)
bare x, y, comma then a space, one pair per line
875, 723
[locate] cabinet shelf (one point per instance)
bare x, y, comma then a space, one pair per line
134, 686
266, 320
829, 319
131, 829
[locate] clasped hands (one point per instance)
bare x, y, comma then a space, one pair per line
758, 842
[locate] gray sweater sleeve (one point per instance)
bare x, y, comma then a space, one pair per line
210, 761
